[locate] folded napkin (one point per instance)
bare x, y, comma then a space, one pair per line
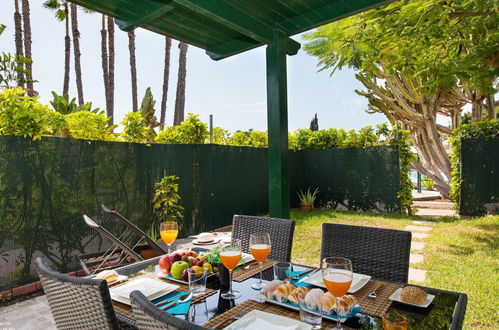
295, 282
180, 309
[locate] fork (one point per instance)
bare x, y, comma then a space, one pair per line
239, 314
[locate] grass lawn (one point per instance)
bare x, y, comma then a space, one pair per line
460, 254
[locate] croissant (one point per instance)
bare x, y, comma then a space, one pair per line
313, 297
327, 303
348, 300
297, 294
282, 292
268, 288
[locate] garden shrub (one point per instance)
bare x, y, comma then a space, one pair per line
135, 128
190, 131
481, 129
90, 126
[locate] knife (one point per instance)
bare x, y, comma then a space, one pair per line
171, 299
297, 276
306, 277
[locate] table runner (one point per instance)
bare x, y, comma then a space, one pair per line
126, 310
225, 319
378, 306
242, 274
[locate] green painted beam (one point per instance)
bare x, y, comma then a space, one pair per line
277, 119
156, 11
232, 17
331, 12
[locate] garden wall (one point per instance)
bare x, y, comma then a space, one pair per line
46, 186
480, 177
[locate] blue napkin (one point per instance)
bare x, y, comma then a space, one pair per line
180, 309
295, 282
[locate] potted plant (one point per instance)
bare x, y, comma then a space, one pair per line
307, 199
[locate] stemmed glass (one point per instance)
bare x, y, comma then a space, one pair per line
260, 249
169, 232
230, 257
337, 276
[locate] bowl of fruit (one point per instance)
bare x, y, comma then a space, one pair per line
177, 265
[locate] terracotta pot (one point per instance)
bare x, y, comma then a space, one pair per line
306, 207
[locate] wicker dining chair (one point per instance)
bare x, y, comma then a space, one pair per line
280, 231
78, 303
149, 317
381, 253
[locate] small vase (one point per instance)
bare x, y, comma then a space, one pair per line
223, 273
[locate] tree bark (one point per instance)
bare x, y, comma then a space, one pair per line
27, 47
180, 97
491, 107
19, 41
104, 59
76, 52
133, 69
166, 76
110, 31
67, 52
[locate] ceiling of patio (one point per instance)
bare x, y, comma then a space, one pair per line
227, 27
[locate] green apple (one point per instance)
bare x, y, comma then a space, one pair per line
177, 269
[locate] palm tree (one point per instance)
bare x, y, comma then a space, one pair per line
76, 52
104, 58
133, 68
110, 86
166, 76
27, 47
62, 14
180, 97
19, 40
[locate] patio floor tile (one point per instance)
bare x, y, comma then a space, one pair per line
418, 228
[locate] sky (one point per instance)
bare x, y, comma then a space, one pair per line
233, 90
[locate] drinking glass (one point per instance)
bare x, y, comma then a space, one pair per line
307, 315
230, 256
197, 282
168, 231
394, 321
337, 276
282, 271
260, 249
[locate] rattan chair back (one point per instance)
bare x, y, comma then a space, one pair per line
75, 302
280, 230
379, 252
149, 317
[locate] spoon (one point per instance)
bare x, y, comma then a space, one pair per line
180, 301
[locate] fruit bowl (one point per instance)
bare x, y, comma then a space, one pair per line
178, 264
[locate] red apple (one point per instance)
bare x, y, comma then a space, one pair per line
175, 257
165, 263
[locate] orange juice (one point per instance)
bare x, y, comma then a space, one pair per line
260, 251
230, 259
337, 283
168, 236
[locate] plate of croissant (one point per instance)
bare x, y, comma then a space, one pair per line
287, 295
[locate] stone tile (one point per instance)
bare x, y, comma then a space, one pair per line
418, 228
419, 222
415, 258
417, 275
419, 235
417, 246
435, 213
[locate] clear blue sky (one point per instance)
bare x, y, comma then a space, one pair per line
233, 90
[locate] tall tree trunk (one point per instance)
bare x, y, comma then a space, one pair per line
110, 86
180, 97
19, 40
491, 107
27, 47
67, 53
166, 76
104, 59
76, 51
133, 69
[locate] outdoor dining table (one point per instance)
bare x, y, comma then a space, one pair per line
446, 311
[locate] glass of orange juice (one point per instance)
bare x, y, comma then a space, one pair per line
230, 257
260, 249
337, 275
169, 232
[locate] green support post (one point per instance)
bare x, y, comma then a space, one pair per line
277, 118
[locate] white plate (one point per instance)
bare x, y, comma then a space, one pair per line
293, 306
258, 320
358, 281
213, 241
151, 288
396, 297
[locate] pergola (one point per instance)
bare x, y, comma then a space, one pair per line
229, 27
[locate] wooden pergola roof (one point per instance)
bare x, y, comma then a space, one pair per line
228, 27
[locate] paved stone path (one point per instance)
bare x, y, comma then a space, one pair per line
29, 314
420, 231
